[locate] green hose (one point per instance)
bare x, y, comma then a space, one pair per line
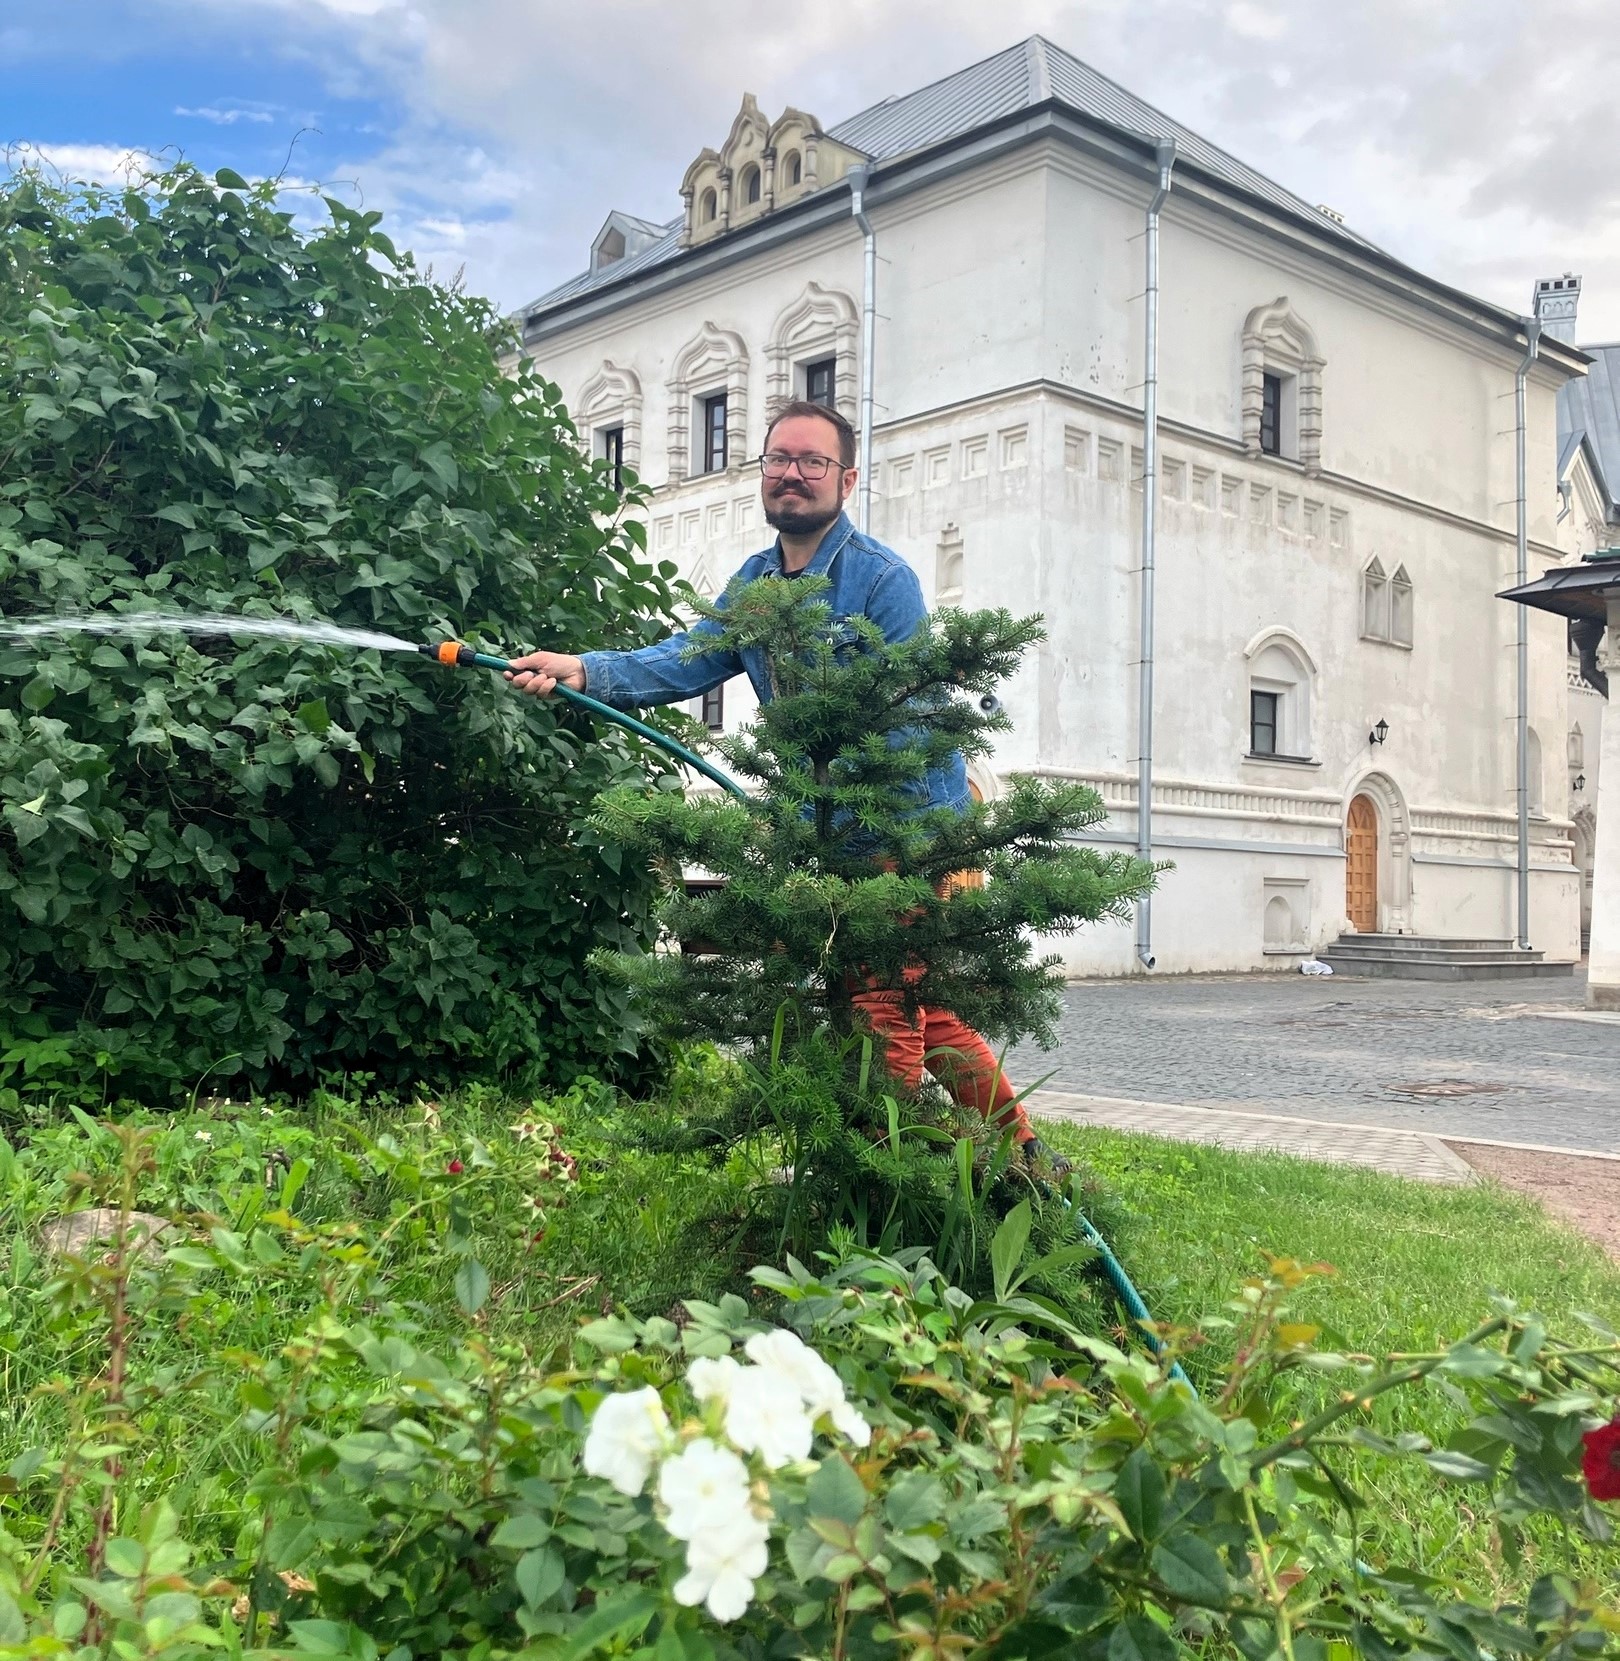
452, 652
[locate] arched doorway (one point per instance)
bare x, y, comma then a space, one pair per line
1361, 866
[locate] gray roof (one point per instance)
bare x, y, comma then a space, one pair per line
1032, 73
1589, 409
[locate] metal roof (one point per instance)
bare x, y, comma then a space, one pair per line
1032, 73
1573, 590
1589, 408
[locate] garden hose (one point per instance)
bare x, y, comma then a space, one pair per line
457, 656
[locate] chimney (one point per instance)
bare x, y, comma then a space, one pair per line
1556, 300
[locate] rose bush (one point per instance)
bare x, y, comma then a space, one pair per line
860, 1461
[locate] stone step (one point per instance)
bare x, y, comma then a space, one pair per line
1425, 957
1423, 942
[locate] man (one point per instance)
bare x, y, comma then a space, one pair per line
808, 472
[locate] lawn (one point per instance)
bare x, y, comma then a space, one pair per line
1413, 1265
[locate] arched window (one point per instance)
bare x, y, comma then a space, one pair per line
1577, 748
708, 207
750, 184
1400, 608
1533, 757
792, 168
1280, 676
1374, 602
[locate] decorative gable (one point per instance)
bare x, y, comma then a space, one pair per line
760, 167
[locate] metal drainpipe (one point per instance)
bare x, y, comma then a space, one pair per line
1532, 335
1150, 511
859, 176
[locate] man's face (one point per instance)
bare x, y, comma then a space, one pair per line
795, 504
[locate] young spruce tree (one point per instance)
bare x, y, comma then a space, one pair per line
836, 878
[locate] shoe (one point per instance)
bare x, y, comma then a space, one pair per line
1036, 1155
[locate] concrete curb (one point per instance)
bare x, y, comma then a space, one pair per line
1417, 1155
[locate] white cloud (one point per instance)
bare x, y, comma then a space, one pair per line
224, 118
93, 163
1255, 22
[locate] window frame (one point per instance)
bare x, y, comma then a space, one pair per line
712, 708
715, 458
611, 451
1271, 410
1402, 608
1256, 694
830, 365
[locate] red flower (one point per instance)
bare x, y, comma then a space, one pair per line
1600, 1464
455, 1167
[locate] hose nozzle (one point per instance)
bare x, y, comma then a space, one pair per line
451, 653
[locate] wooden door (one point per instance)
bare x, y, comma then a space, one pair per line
958, 880
1361, 866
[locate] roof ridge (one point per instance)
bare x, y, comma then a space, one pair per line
1040, 71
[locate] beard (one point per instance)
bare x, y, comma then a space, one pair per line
798, 515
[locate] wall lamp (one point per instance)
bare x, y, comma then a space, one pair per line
1580, 783
1379, 733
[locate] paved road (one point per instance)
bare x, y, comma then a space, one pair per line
1346, 1049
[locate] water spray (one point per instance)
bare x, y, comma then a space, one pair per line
453, 654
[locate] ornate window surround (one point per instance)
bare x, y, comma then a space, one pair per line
1277, 339
1297, 689
821, 323
612, 398
713, 360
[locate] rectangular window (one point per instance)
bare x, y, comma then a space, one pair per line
613, 454
821, 382
1263, 723
714, 433
1271, 414
714, 709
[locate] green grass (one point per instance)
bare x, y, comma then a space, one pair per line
1414, 1266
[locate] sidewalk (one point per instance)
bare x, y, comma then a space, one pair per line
1401, 1153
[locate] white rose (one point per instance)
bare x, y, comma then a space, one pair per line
820, 1388
628, 1432
765, 1415
722, 1564
704, 1486
710, 1378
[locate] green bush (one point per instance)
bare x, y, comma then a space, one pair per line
233, 858
890, 1469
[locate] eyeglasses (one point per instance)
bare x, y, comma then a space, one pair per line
776, 466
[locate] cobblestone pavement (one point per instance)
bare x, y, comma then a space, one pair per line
1492, 1060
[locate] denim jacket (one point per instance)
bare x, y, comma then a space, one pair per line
867, 580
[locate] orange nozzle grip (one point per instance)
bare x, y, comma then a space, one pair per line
448, 652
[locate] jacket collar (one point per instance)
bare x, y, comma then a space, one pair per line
827, 550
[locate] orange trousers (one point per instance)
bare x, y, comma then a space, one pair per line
951, 1050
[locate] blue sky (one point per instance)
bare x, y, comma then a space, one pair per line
1473, 138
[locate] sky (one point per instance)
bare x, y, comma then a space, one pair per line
1474, 139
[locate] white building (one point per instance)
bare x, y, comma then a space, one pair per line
1336, 506
1589, 479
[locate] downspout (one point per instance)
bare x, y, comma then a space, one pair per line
859, 176
1532, 334
1150, 512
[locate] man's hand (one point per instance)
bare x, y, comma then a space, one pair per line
539, 672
